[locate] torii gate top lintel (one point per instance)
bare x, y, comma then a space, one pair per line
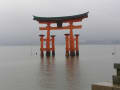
60, 20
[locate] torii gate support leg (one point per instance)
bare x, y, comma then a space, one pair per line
53, 45
41, 48
67, 44
77, 44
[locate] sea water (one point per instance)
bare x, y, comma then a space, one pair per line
22, 68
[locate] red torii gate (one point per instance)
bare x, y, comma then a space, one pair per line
69, 37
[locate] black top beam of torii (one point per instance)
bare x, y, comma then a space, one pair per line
60, 20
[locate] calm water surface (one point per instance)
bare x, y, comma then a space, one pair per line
22, 69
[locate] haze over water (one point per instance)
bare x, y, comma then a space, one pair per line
22, 69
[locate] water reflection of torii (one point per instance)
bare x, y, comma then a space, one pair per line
49, 80
72, 73
47, 73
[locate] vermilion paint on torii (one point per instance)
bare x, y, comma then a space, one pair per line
72, 42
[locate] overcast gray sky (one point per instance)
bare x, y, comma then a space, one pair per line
17, 26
